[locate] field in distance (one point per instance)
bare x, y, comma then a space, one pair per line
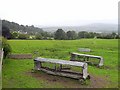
17, 73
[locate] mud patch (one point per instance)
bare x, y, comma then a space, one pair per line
94, 82
98, 82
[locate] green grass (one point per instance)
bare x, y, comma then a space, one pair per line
17, 75
15, 71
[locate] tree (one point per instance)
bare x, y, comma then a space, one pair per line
14, 35
60, 34
117, 36
86, 35
38, 36
23, 36
82, 34
92, 34
98, 35
113, 35
6, 32
71, 35
45, 35
108, 36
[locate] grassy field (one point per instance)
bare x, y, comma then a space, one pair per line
17, 73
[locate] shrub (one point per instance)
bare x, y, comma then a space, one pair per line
6, 47
23, 36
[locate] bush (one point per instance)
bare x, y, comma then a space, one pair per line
23, 36
6, 47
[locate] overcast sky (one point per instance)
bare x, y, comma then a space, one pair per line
59, 12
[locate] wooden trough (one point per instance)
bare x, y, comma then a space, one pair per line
84, 49
20, 56
86, 58
62, 71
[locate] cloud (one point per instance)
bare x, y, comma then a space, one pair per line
58, 12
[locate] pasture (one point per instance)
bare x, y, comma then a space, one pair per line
18, 73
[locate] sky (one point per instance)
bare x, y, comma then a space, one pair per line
59, 12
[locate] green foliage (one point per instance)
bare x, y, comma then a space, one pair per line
113, 35
14, 35
23, 36
6, 32
60, 35
71, 35
84, 34
38, 36
6, 47
81, 34
16, 27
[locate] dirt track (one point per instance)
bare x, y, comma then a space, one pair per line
94, 82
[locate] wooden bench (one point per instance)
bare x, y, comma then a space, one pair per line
86, 58
61, 71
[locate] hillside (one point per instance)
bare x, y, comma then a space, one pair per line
16, 27
96, 27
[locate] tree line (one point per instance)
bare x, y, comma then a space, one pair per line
72, 35
11, 30
58, 35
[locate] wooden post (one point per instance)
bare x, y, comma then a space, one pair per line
87, 58
84, 58
55, 67
85, 73
37, 65
73, 56
1, 58
101, 61
60, 67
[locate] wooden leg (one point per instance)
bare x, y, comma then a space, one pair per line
40, 64
55, 67
101, 62
73, 57
60, 67
87, 58
84, 58
37, 65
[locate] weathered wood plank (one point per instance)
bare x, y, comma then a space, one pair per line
76, 76
74, 55
86, 55
57, 61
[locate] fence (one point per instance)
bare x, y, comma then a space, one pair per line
1, 58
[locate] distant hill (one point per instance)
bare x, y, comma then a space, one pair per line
16, 27
96, 27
